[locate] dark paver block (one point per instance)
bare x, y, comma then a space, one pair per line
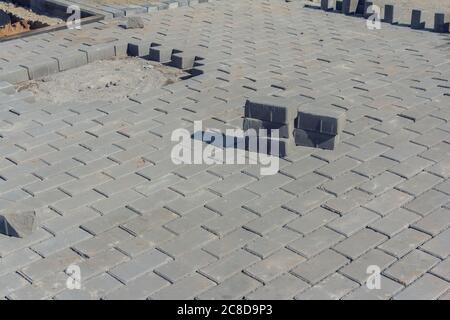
416, 21
314, 139
269, 108
284, 129
320, 120
441, 22
18, 224
390, 15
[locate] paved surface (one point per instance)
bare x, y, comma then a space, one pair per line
111, 201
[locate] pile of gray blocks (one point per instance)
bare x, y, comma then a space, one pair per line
272, 113
360, 7
319, 127
308, 126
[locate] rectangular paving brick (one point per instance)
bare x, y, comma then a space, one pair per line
442, 270
435, 222
359, 243
274, 265
353, 221
357, 269
312, 221
270, 221
388, 201
395, 222
345, 183
307, 202
438, 246
229, 265
282, 288
404, 242
315, 242
186, 242
140, 265
139, 289
388, 289
233, 288
427, 202
428, 287
411, 267
338, 167
321, 266
185, 289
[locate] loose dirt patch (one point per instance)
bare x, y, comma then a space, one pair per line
106, 80
23, 19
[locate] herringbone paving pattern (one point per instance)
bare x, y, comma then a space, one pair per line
110, 200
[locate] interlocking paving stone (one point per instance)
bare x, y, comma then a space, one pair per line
438, 245
140, 265
353, 221
185, 289
435, 222
93, 289
270, 268
410, 167
188, 241
388, 201
359, 243
229, 265
11, 282
442, 270
307, 202
270, 221
282, 288
395, 222
332, 288
357, 269
388, 289
427, 202
235, 287
426, 288
404, 242
411, 267
138, 289
315, 242
319, 267
312, 221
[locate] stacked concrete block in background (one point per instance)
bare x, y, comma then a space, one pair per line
390, 14
441, 22
318, 127
416, 20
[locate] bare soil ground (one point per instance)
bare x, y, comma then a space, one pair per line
106, 80
23, 19
27, 14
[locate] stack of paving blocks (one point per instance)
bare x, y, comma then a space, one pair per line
309, 126
390, 13
318, 127
272, 113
